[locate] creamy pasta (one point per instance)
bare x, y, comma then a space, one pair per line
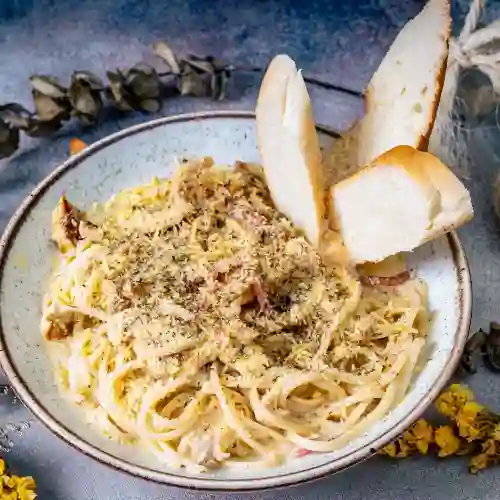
190, 317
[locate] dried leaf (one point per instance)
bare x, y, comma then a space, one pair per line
142, 84
94, 82
493, 347
476, 342
48, 85
162, 50
40, 128
117, 93
15, 115
116, 81
76, 146
122, 105
85, 101
202, 64
474, 345
9, 140
143, 68
151, 105
48, 109
193, 84
467, 363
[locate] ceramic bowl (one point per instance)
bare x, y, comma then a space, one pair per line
134, 156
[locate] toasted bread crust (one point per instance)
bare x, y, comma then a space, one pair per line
423, 144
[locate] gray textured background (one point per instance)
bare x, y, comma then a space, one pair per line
339, 41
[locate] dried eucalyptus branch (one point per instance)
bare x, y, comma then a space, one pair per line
139, 88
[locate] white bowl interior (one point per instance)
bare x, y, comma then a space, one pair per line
135, 159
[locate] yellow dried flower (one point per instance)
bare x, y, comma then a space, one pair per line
26, 488
495, 433
15, 487
472, 428
451, 401
10, 482
405, 449
478, 462
421, 435
416, 439
473, 421
389, 450
490, 455
447, 441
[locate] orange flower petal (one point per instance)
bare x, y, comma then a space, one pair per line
76, 146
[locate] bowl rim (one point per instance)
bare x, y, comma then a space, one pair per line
210, 484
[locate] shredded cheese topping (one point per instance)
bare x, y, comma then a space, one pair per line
190, 317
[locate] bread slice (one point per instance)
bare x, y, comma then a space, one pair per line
403, 199
289, 147
403, 95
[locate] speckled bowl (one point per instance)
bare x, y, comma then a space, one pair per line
134, 156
